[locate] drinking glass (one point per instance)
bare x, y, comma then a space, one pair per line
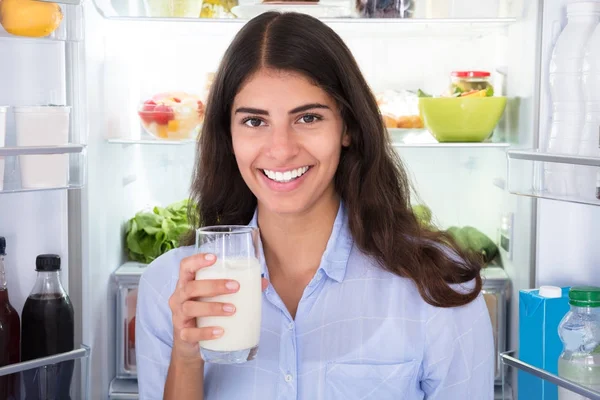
236, 249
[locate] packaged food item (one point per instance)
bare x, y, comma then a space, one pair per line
43, 126
400, 109
470, 83
172, 116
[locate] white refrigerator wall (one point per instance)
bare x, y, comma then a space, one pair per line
567, 246
128, 60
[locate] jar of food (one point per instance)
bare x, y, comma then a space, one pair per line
466, 81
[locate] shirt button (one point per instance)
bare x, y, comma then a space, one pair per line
288, 378
291, 326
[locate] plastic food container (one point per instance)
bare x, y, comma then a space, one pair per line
172, 116
127, 279
466, 81
3, 111
174, 8
43, 126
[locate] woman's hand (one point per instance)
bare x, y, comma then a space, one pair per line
185, 308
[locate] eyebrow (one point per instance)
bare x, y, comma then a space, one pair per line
258, 111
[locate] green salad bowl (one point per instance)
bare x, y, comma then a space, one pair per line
461, 119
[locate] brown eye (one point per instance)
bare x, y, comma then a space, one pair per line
253, 122
309, 119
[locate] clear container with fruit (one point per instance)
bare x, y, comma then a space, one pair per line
172, 116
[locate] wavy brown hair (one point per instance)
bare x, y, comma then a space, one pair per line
370, 178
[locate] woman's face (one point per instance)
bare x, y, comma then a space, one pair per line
287, 138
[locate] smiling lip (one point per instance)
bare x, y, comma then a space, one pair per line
284, 186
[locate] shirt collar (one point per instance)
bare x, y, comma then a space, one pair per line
337, 252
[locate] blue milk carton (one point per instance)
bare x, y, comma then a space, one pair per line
540, 312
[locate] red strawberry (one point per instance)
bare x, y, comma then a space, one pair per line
146, 113
163, 114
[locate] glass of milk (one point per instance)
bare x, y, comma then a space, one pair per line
236, 248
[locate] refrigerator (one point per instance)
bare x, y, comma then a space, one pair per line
108, 56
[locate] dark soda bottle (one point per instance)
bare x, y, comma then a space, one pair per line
48, 329
10, 335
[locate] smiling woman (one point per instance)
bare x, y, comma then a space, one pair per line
362, 302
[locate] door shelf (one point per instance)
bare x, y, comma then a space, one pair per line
32, 169
82, 353
560, 177
509, 360
19, 151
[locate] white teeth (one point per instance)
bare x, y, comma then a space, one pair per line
287, 175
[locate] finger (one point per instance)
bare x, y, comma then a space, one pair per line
194, 335
208, 288
265, 284
189, 265
194, 308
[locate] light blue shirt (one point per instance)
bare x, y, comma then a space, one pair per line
360, 332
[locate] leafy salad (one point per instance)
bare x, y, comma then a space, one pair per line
150, 234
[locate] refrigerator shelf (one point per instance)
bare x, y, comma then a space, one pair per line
82, 353
400, 138
18, 151
536, 155
150, 141
70, 2
509, 360
575, 182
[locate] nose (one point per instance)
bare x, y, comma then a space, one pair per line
283, 144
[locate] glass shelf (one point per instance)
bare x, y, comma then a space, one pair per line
151, 141
417, 138
70, 2
560, 177
509, 360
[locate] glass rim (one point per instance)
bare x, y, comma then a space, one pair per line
225, 229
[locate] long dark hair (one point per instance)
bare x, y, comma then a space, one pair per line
370, 178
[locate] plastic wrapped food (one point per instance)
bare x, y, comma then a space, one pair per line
400, 109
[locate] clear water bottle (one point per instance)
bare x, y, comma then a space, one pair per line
579, 331
586, 176
568, 105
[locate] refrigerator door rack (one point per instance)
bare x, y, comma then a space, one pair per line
41, 364
576, 180
509, 360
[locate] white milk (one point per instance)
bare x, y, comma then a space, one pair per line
242, 329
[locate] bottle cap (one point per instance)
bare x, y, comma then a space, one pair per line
2, 246
550, 292
584, 296
47, 262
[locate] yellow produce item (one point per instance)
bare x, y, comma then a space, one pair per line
29, 17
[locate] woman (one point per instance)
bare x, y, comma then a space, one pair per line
361, 302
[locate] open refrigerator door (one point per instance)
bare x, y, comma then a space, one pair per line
125, 156
42, 173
